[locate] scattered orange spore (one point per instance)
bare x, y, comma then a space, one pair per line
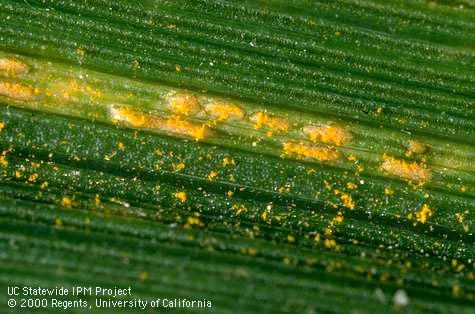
338, 219
66, 201
284, 189
264, 215
16, 91
181, 196
409, 171
97, 200
347, 201
178, 167
239, 208
460, 217
184, 104
228, 161
212, 175
193, 221
329, 243
329, 134
388, 191
33, 177
224, 111
262, 119
424, 214
12, 66
309, 152
3, 161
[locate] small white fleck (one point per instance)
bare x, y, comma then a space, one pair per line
380, 295
400, 298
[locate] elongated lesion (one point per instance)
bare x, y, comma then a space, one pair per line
171, 124
70, 90
328, 133
412, 171
308, 152
269, 121
224, 111
177, 125
415, 148
12, 66
17, 91
183, 103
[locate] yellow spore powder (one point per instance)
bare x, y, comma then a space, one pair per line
16, 91
261, 119
347, 201
410, 171
173, 124
424, 214
224, 111
12, 66
132, 117
415, 148
178, 125
330, 134
66, 90
184, 104
181, 196
309, 152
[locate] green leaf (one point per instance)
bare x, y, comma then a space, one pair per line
268, 157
